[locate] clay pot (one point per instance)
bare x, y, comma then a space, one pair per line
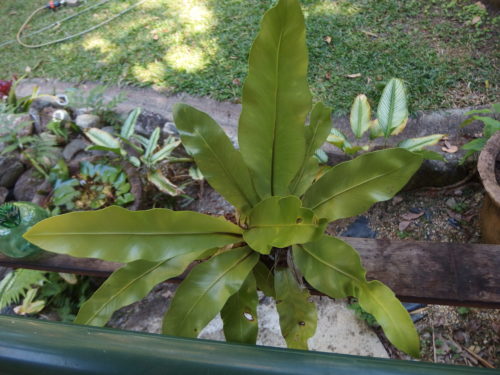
489, 217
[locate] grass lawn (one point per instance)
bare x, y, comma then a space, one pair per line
446, 51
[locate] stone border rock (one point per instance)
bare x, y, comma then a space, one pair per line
158, 105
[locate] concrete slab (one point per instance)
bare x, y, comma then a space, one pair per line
339, 331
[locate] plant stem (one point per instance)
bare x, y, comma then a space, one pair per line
35, 164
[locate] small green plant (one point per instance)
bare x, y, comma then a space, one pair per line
402, 234
40, 150
278, 237
95, 186
13, 104
140, 151
392, 117
460, 207
95, 101
13, 286
490, 127
363, 315
463, 311
36, 291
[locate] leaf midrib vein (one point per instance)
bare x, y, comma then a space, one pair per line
126, 286
50, 234
355, 280
223, 166
236, 264
354, 187
275, 120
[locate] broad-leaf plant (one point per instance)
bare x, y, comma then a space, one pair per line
143, 153
283, 208
392, 118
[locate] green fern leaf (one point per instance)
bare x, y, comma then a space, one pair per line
15, 284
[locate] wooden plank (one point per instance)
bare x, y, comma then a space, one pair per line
425, 272
432, 272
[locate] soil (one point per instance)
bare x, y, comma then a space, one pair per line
427, 214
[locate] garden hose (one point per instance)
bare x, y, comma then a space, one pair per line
57, 23
52, 6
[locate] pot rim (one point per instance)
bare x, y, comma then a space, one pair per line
486, 167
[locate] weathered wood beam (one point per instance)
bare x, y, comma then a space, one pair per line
426, 272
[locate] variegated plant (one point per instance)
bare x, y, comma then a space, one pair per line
392, 117
282, 211
143, 153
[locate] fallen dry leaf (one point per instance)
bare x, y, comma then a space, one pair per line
397, 199
468, 218
480, 5
403, 225
454, 215
450, 150
369, 33
327, 39
475, 20
328, 75
356, 75
411, 215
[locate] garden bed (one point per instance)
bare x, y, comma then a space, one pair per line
430, 272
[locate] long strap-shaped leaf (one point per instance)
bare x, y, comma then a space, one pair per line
205, 291
128, 127
130, 284
162, 183
220, 163
417, 144
118, 235
240, 313
276, 100
333, 267
316, 134
352, 187
281, 222
298, 316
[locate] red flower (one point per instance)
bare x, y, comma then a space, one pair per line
5, 87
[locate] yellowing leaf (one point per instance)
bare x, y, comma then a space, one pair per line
360, 115
417, 144
398, 129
